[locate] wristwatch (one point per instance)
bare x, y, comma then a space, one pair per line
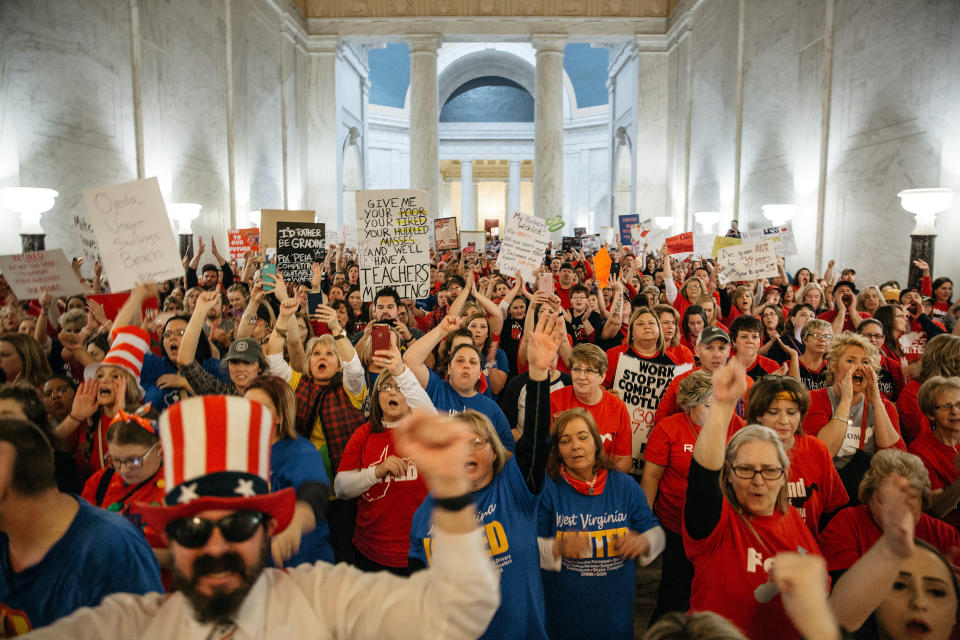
848, 421
342, 334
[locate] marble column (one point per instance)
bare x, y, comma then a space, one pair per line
468, 213
322, 151
425, 117
548, 127
513, 188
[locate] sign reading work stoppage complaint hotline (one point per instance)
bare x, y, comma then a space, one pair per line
393, 229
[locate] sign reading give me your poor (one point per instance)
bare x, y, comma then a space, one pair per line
393, 229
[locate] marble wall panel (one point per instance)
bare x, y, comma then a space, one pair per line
678, 110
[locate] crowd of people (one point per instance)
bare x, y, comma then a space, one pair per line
789, 448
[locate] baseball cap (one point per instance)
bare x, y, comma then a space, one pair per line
245, 350
710, 334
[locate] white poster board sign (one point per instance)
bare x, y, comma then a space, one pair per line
784, 243
394, 249
524, 245
703, 245
591, 243
748, 261
88, 240
34, 273
475, 240
134, 234
445, 234
641, 384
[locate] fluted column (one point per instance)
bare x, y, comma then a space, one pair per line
513, 188
322, 152
548, 126
424, 117
468, 214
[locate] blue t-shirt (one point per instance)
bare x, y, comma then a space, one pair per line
294, 462
503, 364
601, 586
101, 553
155, 366
506, 510
444, 398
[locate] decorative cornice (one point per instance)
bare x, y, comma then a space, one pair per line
549, 42
424, 42
478, 8
487, 29
323, 45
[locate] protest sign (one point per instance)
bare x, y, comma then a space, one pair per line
242, 240
591, 243
782, 237
627, 223
579, 232
722, 242
570, 243
445, 234
113, 302
680, 243
394, 229
524, 245
34, 273
88, 240
134, 234
703, 245
641, 384
269, 219
473, 240
747, 262
299, 245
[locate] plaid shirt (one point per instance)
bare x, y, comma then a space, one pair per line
328, 407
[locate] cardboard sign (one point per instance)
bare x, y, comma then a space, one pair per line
134, 234
524, 245
782, 237
88, 240
747, 262
394, 228
473, 240
641, 384
269, 219
299, 245
570, 243
241, 241
627, 222
34, 273
445, 234
722, 242
680, 243
112, 302
591, 243
579, 232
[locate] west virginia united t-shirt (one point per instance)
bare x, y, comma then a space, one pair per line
730, 569
592, 597
444, 398
506, 510
813, 485
101, 553
385, 510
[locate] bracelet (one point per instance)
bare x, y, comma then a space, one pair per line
455, 503
846, 421
75, 419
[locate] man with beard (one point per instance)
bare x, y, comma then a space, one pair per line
219, 516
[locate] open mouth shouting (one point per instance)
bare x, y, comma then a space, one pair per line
918, 628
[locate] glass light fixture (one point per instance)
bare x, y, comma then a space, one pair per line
925, 204
184, 213
30, 203
663, 222
779, 213
707, 219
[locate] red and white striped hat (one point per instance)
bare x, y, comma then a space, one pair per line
216, 455
127, 349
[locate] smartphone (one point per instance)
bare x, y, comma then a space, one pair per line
268, 282
379, 338
545, 283
313, 301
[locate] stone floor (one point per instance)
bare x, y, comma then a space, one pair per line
648, 580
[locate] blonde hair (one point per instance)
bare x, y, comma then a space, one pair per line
906, 465
816, 323
661, 309
686, 283
364, 347
931, 389
862, 294
325, 340
941, 357
841, 343
753, 433
806, 289
699, 625
711, 318
481, 425
694, 389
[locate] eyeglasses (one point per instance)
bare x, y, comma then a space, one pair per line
749, 473
582, 371
872, 336
194, 532
479, 443
169, 334
133, 463
389, 387
947, 406
821, 336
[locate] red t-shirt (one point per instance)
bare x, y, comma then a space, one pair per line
937, 458
852, 532
671, 446
121, 498
913, 422
821, 411
668, 404
813, 485
681, 354
831, 315
611, 415
730, 569
385, 510
761, 367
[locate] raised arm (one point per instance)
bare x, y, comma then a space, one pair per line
417, 353
495, 318
129, 313
458, 303
729, 385
833, 433
249, 317
194, 331
615, 317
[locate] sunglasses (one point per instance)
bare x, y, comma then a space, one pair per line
194, 532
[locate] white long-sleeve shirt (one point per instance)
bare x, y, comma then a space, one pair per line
455, 598
353, 377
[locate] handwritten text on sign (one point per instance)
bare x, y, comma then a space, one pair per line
134, 234
524, 245
243, 240
784, 243
88, 240
299, 245
747, 262
32, 274
394, 234
445, 234
641, 384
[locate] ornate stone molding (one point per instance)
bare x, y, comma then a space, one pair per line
323, 44
471, 8
424, 43
547, 43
